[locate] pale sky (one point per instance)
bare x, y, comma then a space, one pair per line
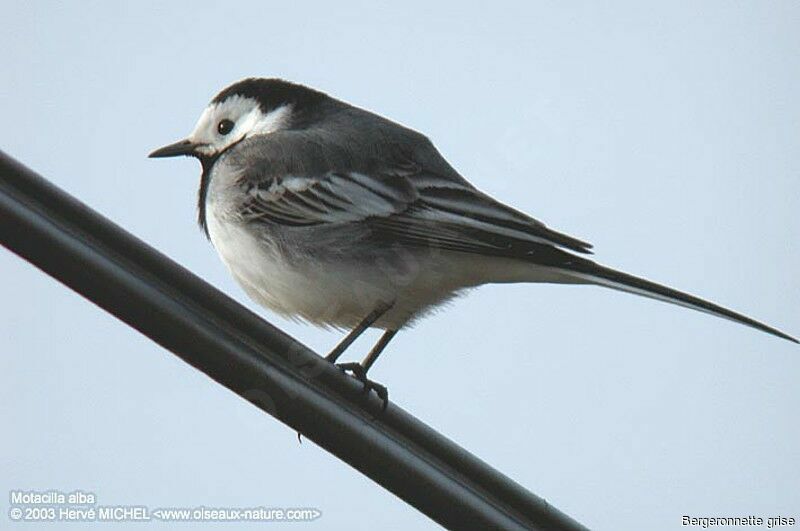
666, 135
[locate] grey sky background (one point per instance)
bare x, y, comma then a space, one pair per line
667, 135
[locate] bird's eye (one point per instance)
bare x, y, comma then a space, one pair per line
224, 127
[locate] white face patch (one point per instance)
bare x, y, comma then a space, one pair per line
247, 119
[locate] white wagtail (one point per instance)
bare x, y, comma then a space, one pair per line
332, 214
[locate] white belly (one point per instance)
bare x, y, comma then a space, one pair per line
326, 294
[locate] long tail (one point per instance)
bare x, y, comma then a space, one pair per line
595, 273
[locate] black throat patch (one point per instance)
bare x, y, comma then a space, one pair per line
205, 180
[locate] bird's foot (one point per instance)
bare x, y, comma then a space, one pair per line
358, 372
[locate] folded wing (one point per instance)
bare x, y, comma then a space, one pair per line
416, 209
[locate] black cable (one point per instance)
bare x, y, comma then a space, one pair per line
207, 329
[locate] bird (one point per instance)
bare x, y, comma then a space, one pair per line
330, 214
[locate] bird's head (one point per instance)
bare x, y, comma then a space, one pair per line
253, 106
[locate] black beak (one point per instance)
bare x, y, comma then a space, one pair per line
183, 147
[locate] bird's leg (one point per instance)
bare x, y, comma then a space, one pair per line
377, 349
359, 329
359, 370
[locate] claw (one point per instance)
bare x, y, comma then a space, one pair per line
360, 374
